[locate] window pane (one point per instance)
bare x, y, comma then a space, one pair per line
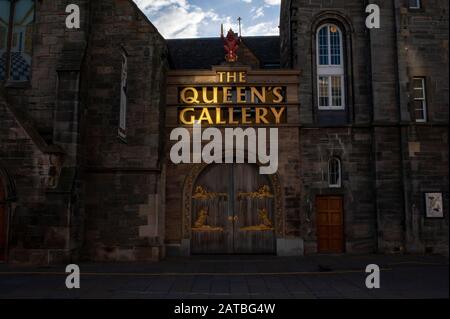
323, 46
417, 83
415, 4
418, 94
419, 115
336, 90
419, 99
323, 91
4, 27
335, 45
419, 110
21, 45
123, 97
334, 172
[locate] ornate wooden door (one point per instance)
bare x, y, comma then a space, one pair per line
232, 211
3, 220
211, 230
330, 224
254, 229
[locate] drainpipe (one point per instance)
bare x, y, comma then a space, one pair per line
395, 6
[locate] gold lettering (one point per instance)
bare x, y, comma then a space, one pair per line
214, 96
191, 99
183, 118
261, 113
241, 95
261, 96
219, 116
231, 116
227, 94
221, 76
245, 116
205, 116
242, 77
277, 93
278, 114
231, 77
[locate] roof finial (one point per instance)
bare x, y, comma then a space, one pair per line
240, 31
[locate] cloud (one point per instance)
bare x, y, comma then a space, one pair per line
257, 12
182, 19
177, 18
155, 5
273, 2
263, 28
178, 22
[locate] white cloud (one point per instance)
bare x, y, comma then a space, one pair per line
273, 2
177, 18
257, 12
155, 5
263, 28
182, 19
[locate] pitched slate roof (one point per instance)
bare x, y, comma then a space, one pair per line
202, 53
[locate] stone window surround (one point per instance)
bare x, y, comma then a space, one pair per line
338, 172
330, 70
346, 27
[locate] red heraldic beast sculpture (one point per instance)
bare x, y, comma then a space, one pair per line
231, 45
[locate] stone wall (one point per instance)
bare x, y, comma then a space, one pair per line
59, 137
39, 145
380, 65
422, 37
123, 177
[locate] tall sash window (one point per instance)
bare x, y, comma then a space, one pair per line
330, 68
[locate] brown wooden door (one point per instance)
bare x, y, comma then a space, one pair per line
212, 231
330, 224
232, 211
3, 221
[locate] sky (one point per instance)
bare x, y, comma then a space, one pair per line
202, 18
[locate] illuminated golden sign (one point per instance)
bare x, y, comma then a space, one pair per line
232, 102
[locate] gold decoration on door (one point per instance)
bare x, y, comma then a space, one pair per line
262, 192
200, 223
266, 224
202, 194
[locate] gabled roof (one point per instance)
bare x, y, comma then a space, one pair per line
202, 53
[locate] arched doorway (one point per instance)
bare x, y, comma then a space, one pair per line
232, 211
3, 221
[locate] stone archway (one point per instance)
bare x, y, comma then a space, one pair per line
187, 220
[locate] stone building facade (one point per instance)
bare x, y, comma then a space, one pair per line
390, 156
85, 118
68, 177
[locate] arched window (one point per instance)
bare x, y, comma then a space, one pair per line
334, 172
16, 28
330, 68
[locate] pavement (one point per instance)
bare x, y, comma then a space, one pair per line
236, 277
